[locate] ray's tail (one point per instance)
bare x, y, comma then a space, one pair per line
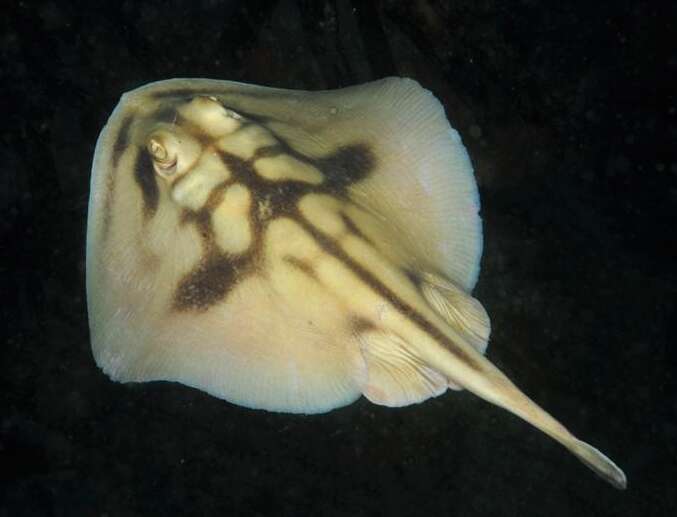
495, 387
487, 381
515, 401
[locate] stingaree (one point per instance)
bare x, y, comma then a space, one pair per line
293, 250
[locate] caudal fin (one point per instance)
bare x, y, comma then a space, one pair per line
511, 398
492, 385
598, 463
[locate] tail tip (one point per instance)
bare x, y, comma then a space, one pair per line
600, 465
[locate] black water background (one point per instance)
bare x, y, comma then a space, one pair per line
569, 113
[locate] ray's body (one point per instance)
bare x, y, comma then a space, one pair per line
292, 251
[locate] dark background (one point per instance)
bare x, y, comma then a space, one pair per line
570, 116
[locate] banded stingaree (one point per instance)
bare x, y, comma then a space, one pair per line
292, 250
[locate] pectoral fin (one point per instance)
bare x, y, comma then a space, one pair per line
395, 375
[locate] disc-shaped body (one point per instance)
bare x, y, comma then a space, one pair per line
263, 244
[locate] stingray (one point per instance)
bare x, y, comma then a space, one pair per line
293, 250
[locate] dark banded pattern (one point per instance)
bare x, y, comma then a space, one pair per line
331, 247
218, 272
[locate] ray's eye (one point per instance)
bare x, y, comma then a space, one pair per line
163, 148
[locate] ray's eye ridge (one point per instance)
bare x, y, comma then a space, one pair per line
163, 153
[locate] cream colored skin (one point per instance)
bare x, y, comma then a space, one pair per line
216, 226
